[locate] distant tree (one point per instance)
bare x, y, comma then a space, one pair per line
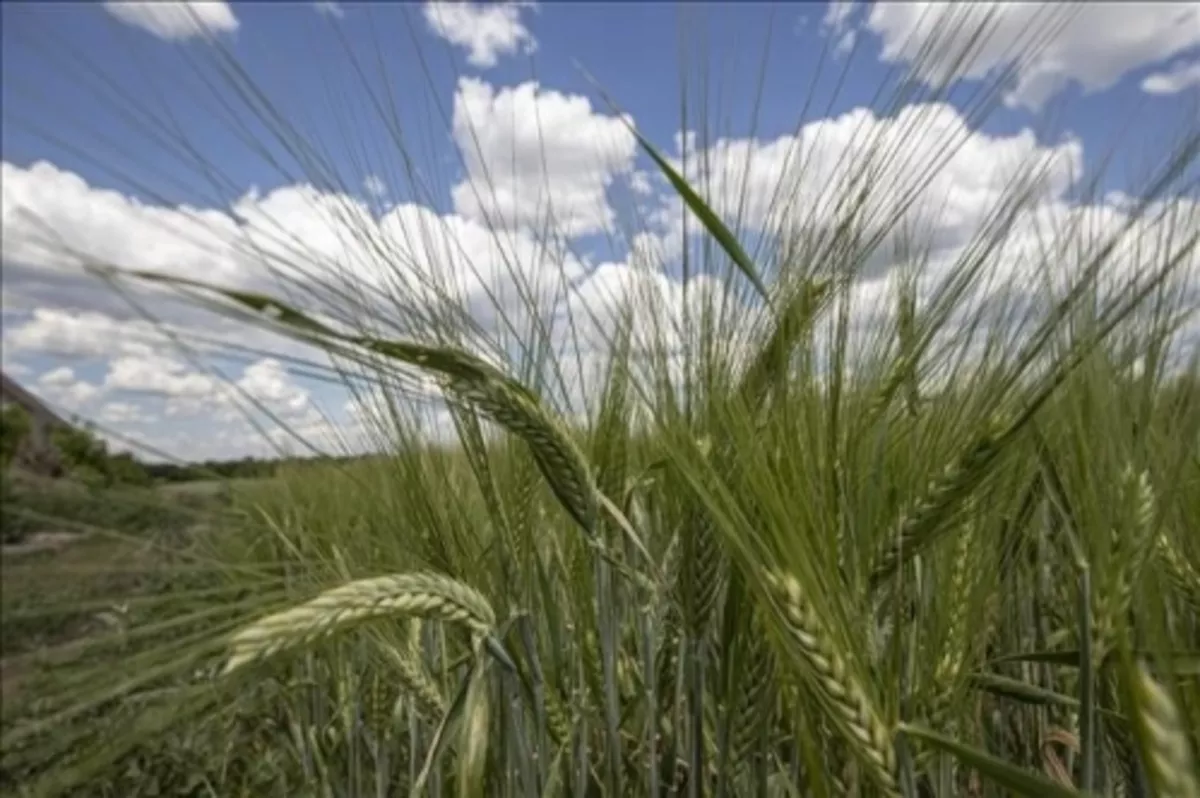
14, 426
81, 450
124, 470
87, 458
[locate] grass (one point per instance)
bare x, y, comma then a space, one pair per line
766, 553
37, 505
74, 554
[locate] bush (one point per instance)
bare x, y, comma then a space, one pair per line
14, 426
32, 506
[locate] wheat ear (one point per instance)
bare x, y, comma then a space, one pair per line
850, 710
414, 595
1165, 746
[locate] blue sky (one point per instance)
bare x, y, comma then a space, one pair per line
634, 50
86, 85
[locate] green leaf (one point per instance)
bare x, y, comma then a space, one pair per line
1180, 663
438, 741
712, 223
1023, 782
794, 322
472, 760
1029, 694
259, 303
444, 360
1067, 658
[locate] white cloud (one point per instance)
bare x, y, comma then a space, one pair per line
53, 220
836, 22
329, 8
189, 391
85, 335
374, 185
176, 19
485, 30
533, 154
965, 178
268, 382
837, 15
78, 394
57, 378
639, 181
123, 413
654, 300
161, 375
1093, 47
1182, 76
962, 174
61, 387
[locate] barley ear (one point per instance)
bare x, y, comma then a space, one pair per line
755, 695
957, 644
926, 519
416, 682
845, 701
379, 701
1183, 577
1166, 750
558, 458
335, 611
1130, 543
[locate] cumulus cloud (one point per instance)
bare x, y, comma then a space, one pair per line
1180, 77
268, 382
121, 413
1093, 47
534, 154
176, 20
793, 180
60, 386
529, 153
57, 378
164, 396
54, 221
485, 30
161, 375
55, 331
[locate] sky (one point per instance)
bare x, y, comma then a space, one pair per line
202, 139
